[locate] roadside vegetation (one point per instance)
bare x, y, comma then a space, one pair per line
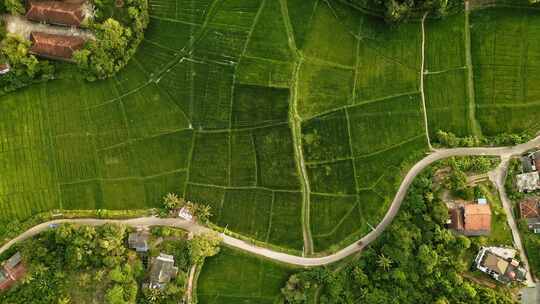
416, 260
85, 264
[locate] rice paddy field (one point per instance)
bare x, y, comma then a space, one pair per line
236, 277
293, 119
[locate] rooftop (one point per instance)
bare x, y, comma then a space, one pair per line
528, 182
529, 208
477, 219
162, 271
55, 46
55, 12
139, 241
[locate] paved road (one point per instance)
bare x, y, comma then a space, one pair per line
498, 176
357, 246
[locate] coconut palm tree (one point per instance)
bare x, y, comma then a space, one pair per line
384, 262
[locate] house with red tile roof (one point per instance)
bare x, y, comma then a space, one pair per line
529, 209
471, 219
55, 46
55, 12
11, 271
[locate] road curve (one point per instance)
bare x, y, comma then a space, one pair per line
357, 246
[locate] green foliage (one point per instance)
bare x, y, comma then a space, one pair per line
398, 10
25, 67
449, 139
115, 42
416, 260
14, 7
203, 246
514, 168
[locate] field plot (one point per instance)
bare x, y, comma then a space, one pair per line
447, 102
506, 44
446, 77
389, 56
27, 179
354, 166
235, 277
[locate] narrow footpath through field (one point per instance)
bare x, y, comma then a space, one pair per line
357, 246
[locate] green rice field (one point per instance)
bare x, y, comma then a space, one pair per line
236, 277
245, 105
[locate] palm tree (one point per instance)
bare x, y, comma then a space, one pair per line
384, 262
171, 201
64, 300
204, 212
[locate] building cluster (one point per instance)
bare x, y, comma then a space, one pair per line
11, 271
471, 219
529, 179
162, 268
474, 219
500, 264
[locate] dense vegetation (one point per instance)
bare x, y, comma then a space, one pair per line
416, 260
84, 264
116, 40
399, 10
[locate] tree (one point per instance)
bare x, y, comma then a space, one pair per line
14, 7
172, 201
203, 246
115, 295
384, 262
203, 212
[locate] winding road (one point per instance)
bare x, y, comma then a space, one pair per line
357, 246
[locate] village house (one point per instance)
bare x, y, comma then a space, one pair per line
11, 271
139, 241
529, 209
499, 263
55, 12
54, 46
471, 219
531, 162
162, 271
528, 182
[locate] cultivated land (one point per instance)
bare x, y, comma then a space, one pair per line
296, 133
236, 277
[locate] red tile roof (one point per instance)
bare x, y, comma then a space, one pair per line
12, 276
529, 208
55, 12
55, 46
477, 217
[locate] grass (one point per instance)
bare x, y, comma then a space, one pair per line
235, 277
505, 45
203, 109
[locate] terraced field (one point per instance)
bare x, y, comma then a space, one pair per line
293, 119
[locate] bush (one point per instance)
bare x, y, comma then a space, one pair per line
25, 67
14, 7
115, 43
